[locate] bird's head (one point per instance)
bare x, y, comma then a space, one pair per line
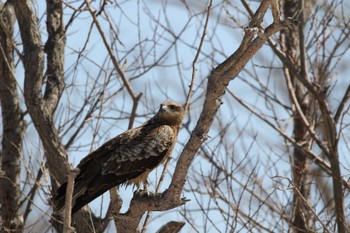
170, 112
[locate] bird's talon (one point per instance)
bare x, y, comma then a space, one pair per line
184, 200
143, 193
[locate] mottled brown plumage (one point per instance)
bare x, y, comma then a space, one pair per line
125, 159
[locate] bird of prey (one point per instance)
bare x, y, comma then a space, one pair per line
126, 159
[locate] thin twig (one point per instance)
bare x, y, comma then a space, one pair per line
110, 52
159, 185
197, 56
32, 193
341, 106
187, 103
318, 160
68, 204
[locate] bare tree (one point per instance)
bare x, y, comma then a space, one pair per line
298, 96
274, 98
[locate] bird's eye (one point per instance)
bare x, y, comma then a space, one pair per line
172, 107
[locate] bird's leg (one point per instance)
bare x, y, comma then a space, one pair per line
145, 187
144, 191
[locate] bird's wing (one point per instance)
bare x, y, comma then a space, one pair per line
120, 160
126, 156
139, 152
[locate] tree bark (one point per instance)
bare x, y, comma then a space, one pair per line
42, 107
307, 104
291, 43
13, 127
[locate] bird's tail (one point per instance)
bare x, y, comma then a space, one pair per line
60, 198
82, 195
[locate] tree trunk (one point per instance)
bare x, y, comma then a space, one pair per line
292, 44
13, 127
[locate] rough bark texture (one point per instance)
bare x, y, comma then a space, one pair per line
13, 127
171, 227
302, 217
39, 108
42, 107
54, 48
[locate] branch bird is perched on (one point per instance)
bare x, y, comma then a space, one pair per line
126, 159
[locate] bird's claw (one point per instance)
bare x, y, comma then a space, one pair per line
143, 193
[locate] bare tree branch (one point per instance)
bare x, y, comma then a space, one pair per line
69, 202
171, 227
14, 126
34, 66
54, 48
217, 82
275, 160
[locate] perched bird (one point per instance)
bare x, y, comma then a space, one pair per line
126, 159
